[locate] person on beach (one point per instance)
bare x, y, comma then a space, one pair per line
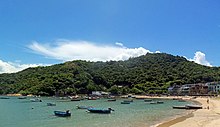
207, 101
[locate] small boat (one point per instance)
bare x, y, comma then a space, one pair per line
36, 100
98, 110
180, 107
22, 97
153, 102
111, 99
62, 114
191, 106
160, 102
147, 100
51, 104
4, 98
83, 107
125, 102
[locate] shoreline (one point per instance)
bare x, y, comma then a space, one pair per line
173, 121
208, 116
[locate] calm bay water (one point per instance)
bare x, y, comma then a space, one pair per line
24, 113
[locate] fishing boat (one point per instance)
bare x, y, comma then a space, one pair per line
62, 114
83, 107
191, 106
99, 110
51, 104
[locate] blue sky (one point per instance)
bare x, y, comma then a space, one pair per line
45, 32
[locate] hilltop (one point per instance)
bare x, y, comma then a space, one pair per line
150, 73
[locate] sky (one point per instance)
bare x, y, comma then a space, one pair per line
46, 32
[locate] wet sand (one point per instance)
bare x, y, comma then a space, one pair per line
209, 116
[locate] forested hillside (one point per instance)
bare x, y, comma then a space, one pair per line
151, 73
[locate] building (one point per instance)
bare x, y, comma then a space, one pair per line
99, 93
214, 87
198, 89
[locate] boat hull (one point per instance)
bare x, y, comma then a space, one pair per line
62, 114
180, 107
102, 111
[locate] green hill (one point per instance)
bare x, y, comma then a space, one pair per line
150, 73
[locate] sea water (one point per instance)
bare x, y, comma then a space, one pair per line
24, 113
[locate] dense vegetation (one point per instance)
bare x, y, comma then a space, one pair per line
150, 73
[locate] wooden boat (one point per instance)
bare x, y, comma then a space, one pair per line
83, 107
51, 104
62, 114
191, 106
98, 110
125, 102
180, 107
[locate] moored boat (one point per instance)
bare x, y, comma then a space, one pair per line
160, 102
147, 100
153, 102
111, 99
99, 110
188, 106
191, 106
51, 104
35, 100
4, 98
180, 107
125, 102
62, 113
83, 107
22, 97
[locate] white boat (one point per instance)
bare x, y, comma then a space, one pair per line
35, 100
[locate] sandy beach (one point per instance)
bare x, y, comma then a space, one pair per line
209, 116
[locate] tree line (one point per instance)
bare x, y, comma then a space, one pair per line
152, 73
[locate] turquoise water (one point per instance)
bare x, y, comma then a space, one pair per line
23, 113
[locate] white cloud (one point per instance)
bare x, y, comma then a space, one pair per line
83, 50
119, 44
9, 67
200, 59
